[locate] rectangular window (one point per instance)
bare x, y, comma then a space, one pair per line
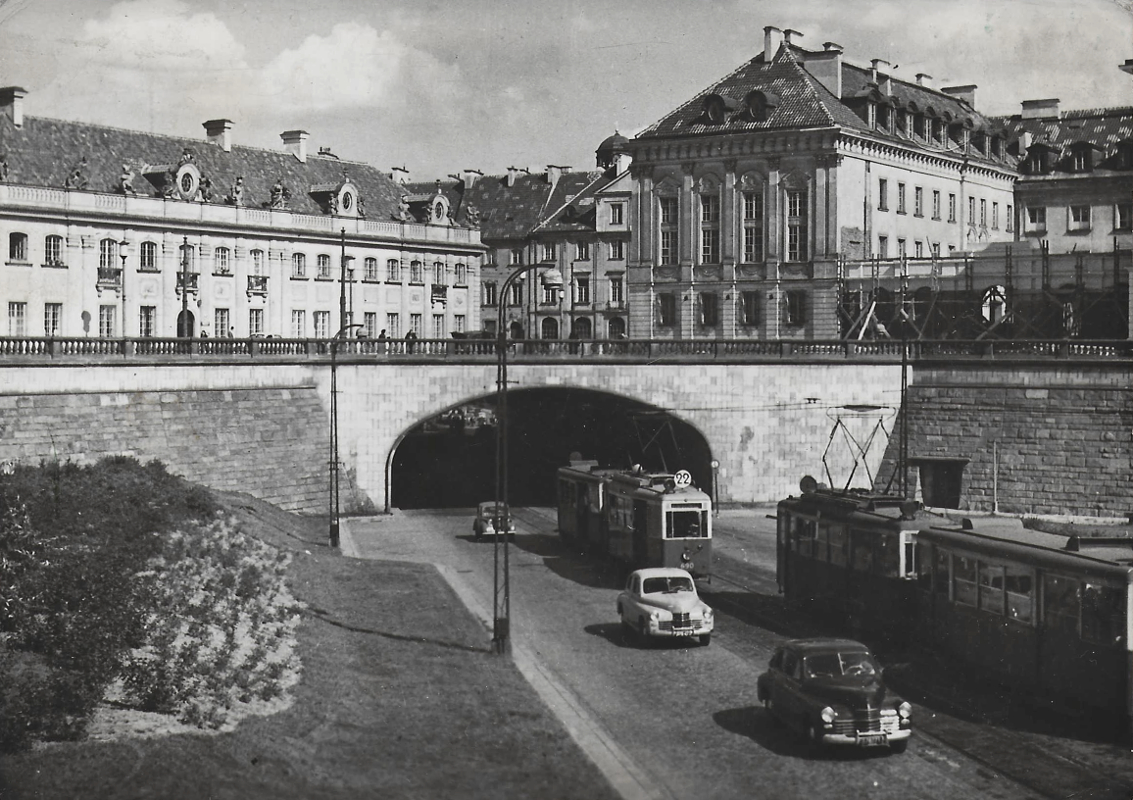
882, 194
617, 214
107, 252
460, 275
992, 592
883, 247
440, 274
298, 265
548, 251
995, 216
439, 326
617, 291
964, 581
709, 229
983, 213
298, 324
516, 292
666, 309
795, 307
1061, 604
901, 248
951, 208
749, 308
971, 211
550, 295
918, 202
1036, 219
323, 262
258, 262
222, 322
107, 321
489, 293
935, 204
753, 227
1123, 216
53, 251
900, 198
797, 226
322, 324
147, 320
617, 250
936, 249
255, 322
393, 271
415, 321
668, 206
221, 261
147, 257
416, 272
393, 326
582, 251
370, 269
582, 290
458, 323
709, 309
1079, 218
18, 319
1103, 614
370, 325
919, 249
52, 318
1010, 218
517, 255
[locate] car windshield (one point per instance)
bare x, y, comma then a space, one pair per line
834, 665
489, 509
670, 584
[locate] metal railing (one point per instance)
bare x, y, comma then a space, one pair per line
647, 351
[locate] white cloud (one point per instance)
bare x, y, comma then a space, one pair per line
160, 34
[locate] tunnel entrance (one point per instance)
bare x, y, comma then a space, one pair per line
449, 461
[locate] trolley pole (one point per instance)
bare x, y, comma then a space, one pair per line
501, 581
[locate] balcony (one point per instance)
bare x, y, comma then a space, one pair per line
257, 286
109, 278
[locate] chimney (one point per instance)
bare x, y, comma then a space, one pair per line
826, 67
1040, 109
772, 38
295, 142
399, 175
788, 35
511, 173
966, 93
12, 104
219, 132
471, 176
877, 76
924, 79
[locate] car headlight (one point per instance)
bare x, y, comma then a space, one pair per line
905, 710
828, 715
707, 614
654, 616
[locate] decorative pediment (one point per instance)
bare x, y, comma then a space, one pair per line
751, 181
706, 184
795, 180
667, 186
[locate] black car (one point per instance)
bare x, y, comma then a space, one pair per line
831, 692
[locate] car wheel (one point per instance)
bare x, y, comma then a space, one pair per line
901, 746
643, 630
705, 638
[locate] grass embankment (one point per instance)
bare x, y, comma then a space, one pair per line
399, 697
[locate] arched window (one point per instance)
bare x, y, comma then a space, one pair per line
222, 264
440, 274
371, 269
582, 328
298, 265
416, 272
460, 274
549, 329
147, 257
53, 251
18, 247
323, 262
616, 327
107, 254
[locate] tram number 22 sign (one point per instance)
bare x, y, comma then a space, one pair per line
683, 478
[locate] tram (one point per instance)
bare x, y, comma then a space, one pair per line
637, 518
1047, 613
850, 556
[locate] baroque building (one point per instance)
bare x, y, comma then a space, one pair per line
118, 233
754, 200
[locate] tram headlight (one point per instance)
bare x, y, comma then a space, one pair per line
905, 710
828, 715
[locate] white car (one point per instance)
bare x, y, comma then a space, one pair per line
662, 602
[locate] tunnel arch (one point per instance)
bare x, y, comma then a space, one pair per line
438, 464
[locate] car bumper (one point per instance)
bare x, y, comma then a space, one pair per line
877, 739
698, 629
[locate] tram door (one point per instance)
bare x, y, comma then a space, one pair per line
640, 533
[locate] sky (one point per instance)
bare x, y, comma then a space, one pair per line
440, 87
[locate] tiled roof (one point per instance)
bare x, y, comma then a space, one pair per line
805, 102
1104, 128
577, 213
44, 152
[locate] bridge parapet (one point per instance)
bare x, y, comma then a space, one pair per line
30, 350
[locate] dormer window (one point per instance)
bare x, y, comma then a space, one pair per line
717, 107
758, 106
884, 117
919, 126
979, 142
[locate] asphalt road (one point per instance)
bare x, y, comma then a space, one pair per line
686, 717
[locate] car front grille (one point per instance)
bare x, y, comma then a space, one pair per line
866, 721
682, 620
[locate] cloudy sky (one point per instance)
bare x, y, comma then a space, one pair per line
486, 84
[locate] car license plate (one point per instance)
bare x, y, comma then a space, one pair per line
872, 740
682, 632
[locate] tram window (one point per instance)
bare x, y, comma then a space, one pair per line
1060, 603
861, 551
991, 589
1020, 586
888, 561
909, 546
804, 537
685, 525
940, 571
838, 545
1103, 615
964, 580
924, 568
821, 541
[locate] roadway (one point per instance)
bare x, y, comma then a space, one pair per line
678, 720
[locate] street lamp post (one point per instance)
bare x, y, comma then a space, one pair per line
122, 253
184, 326
501, 585
335, 510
